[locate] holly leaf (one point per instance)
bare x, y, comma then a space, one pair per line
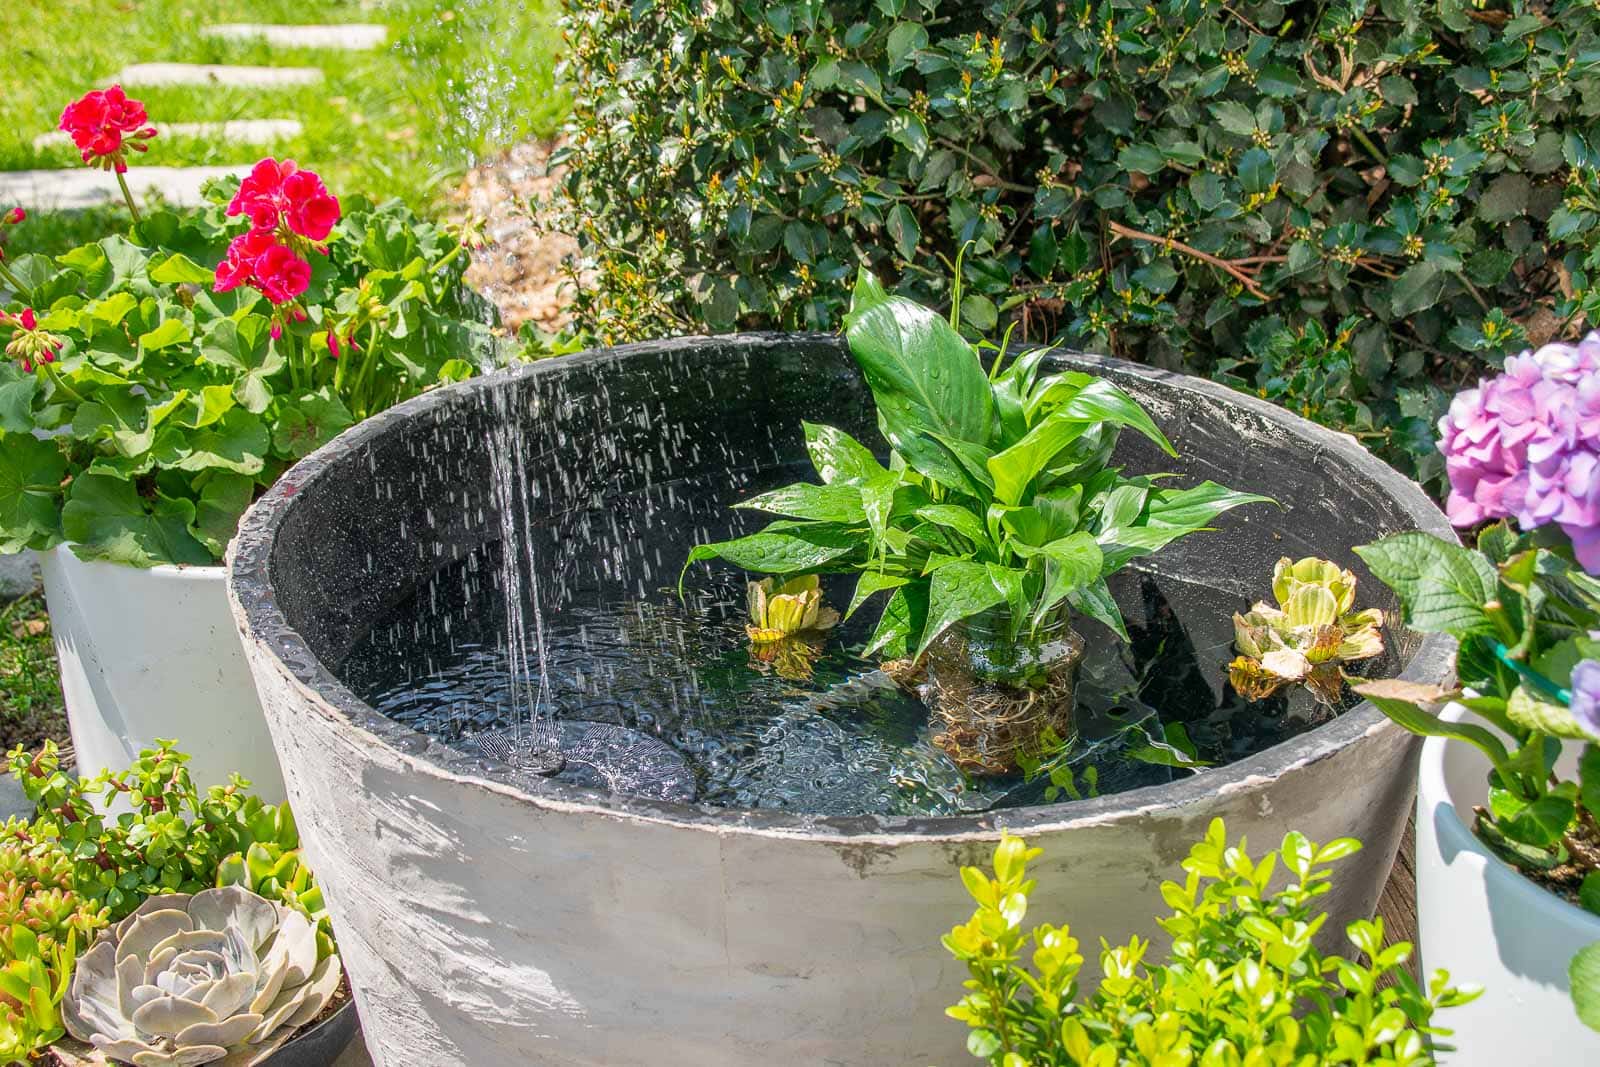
107, 519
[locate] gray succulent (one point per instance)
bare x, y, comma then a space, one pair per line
187, 980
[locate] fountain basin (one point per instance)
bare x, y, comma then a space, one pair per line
488, 922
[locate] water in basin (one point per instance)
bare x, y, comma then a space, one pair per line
665, 699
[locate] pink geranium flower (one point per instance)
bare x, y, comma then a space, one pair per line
281, 274
256, 258
105, 122
278, 194
28, 343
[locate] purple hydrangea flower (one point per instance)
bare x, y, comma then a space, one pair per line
1586, 695
1525, 445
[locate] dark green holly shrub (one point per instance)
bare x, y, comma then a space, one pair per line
1338, 205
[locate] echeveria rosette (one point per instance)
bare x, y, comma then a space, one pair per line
189, 980
1525, 445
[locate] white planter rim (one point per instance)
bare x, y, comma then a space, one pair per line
1506, 879
191, 572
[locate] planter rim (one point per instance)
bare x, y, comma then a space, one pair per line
193, 572
1504, 878
263, 625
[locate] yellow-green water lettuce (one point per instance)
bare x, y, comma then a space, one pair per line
1308, 637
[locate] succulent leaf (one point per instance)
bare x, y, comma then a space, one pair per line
189, 980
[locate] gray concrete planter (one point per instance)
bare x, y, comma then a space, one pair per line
484, 924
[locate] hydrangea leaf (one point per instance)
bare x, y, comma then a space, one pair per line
1443, 586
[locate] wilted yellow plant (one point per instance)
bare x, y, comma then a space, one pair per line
1308, 637
785, 623
787, 610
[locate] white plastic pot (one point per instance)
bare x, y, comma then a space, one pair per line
149, 654
1488, 925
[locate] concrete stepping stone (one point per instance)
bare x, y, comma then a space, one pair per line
353, 37
18, 574
81, 187
219, 74
234, 131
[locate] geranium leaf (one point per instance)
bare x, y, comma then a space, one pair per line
17, 391
223, 499
237, 442
31, 471
107, 519
308, 422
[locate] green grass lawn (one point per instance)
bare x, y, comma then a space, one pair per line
30, 688
456, 82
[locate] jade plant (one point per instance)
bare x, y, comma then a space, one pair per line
1244, 982
1309, 637
998, 512
1521, 451
44, 922
197, 979
166, 836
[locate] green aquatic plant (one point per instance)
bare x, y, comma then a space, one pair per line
998, 496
